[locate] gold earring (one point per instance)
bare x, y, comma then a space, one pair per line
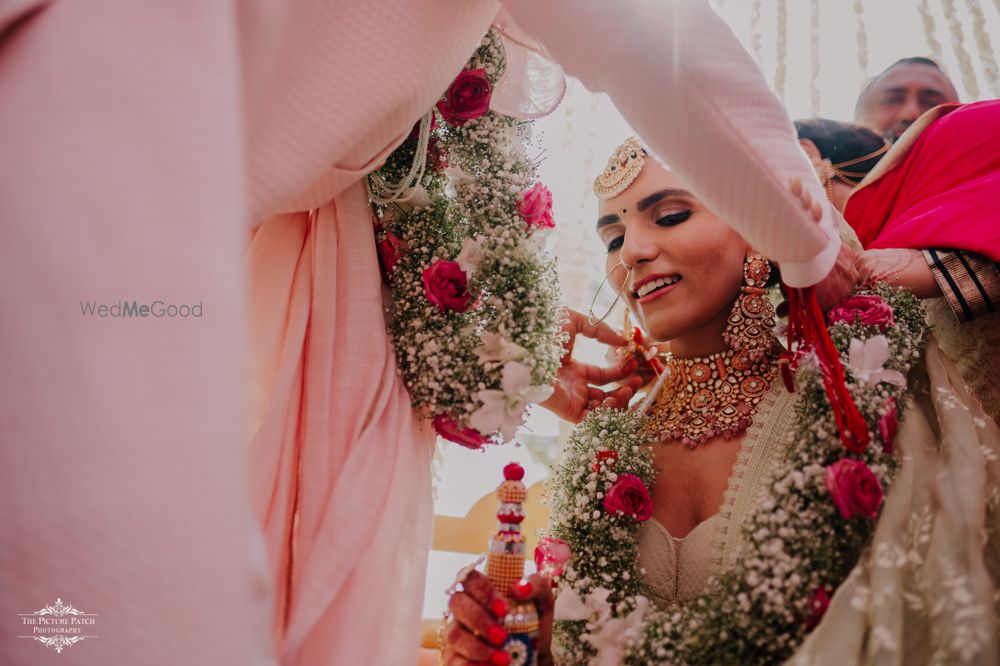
750, 324
590, 311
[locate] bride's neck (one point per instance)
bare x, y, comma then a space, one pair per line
704, 341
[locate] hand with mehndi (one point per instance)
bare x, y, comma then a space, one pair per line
577, 384
474, 635
900, 268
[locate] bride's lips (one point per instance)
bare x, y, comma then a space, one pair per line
659, 291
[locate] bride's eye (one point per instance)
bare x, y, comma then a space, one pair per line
672, 219
615, 244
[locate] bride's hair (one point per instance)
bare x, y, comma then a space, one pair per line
841, 142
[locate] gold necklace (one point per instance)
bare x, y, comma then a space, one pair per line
711, 396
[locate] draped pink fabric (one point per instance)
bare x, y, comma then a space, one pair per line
142, 142
122, 440
338, 446
943, 192
340, 465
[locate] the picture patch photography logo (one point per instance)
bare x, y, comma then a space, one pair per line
58, 626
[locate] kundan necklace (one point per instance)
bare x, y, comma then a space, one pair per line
705, 397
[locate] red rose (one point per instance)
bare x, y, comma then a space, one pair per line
467, 98
470, 438
551, 556
855, 490
446, 286
868, 310
887, 426
817, 607
629, 496
536, 207
390, 249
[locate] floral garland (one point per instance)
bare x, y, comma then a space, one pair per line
801, 542
474, 316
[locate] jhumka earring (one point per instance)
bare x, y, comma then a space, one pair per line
590, 311
750, 324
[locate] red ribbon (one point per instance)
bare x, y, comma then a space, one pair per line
807, 329
640, 345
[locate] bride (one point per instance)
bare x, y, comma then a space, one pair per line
925, 589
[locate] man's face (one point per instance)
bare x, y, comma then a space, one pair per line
901, 95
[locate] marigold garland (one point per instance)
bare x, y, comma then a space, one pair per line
474, 316
801, 542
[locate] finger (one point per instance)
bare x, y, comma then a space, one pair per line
479, 587
451, 658
600, 332
595, 374
472, 616
620, 397
465, 644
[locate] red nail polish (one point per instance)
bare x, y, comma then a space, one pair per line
522, 589
499, 658
496, 635
499, 608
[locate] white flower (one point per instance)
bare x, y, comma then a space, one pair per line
471, 255
497, 350
456, 176
613, 636
414, 198
866, 361
569, 605
503, 410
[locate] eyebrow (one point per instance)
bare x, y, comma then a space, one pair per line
657, 197
606, 220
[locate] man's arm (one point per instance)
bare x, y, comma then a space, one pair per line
969, 281
683, 81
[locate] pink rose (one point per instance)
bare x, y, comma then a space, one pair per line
467, 98
887, 425
867, 310
470, 438
817, 607
390, 250
447, 286
629, 496
551, 556
855, 490
536, 207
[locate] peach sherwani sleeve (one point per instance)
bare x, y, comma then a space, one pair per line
340, 464
683, 81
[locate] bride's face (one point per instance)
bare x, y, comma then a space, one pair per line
687, 264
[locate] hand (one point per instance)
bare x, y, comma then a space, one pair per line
474, 634
900, 268
840, 282
538, 588
576, 385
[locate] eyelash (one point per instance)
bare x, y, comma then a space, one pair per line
670, 220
